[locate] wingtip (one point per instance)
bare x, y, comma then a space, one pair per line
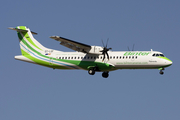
11, 28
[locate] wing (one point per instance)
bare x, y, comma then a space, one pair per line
80, 47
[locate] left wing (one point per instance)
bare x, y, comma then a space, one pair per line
80, 47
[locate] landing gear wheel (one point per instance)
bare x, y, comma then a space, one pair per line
161, 72
105, 74
91, 71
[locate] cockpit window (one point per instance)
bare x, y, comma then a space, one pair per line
161, 55
156, 54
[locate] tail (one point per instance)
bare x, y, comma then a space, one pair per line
28, 44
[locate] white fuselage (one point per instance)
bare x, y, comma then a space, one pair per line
118, 59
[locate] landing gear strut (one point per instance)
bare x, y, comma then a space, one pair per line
161, 71
105, 74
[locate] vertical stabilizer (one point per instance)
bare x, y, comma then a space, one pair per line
28, 44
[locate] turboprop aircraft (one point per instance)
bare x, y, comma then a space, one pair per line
90, 58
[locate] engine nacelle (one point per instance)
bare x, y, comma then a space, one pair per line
95, 50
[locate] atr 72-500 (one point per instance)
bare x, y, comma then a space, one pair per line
90, 58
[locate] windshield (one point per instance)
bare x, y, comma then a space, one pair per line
157, 54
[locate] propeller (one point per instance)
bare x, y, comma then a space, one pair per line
105, 50
132, 48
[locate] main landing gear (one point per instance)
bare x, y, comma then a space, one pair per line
104, 74
91, 71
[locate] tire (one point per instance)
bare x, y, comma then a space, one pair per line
161, 72
91, 71
105, 74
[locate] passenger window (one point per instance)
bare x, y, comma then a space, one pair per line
132, 57
126, 57
84, 57
62, 57
59, 57
110, 57
71, 57
120, 57
117, 57
136, 57
65, 57
129, 57
123, 57
74, 57
114, 57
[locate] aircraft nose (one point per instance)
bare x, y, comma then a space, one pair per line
169, 62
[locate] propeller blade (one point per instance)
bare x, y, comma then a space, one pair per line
107, 42
128, 48
103, 57
103, 43
133, 47
107, 55
109, 48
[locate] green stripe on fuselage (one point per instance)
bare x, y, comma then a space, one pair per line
85, 64
165, 58
28, 37
44, 63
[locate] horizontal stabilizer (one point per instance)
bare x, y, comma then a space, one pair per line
21, 30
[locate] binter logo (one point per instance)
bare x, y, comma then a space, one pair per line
136, 53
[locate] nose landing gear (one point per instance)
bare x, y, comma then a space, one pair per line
161, 71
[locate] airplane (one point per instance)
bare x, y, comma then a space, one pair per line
91, 58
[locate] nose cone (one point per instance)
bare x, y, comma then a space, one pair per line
168, 62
